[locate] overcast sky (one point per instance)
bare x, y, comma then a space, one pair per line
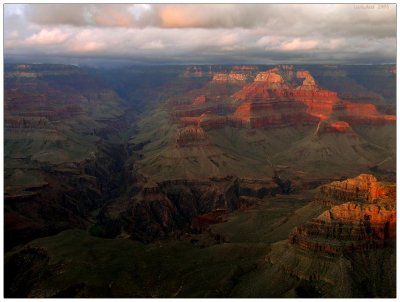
209, 33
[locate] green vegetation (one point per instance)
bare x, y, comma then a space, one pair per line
170, 268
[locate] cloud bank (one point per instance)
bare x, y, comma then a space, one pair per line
204, 33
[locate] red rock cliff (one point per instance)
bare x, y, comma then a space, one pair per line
366, 221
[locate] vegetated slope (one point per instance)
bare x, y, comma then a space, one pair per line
196, 265
251, 123
62, 148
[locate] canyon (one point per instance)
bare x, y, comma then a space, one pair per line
256, 181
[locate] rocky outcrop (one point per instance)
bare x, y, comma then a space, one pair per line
274, 113
209, 121
258, 188
27, 122
347, 228
361, 114
363, 188
238, 76
309, 82
335, 127
271, 78
229, 77
252, 92
310, 91
366, 221
279, 97
320, 108
200, 100
170, 206
190, 135
331, 247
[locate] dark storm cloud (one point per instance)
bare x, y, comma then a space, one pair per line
210, 32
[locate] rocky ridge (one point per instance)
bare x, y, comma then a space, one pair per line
172, 206
280, 97
361, 220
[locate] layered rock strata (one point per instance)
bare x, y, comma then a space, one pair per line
362, 222
279, 97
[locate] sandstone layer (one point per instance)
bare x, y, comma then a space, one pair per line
360, 224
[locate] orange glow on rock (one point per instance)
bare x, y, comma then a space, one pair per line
339, 126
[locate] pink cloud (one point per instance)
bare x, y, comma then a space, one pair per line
89, 46
177, 16
113, 16
299, 44
44, 37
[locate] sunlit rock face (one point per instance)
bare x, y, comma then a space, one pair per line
364, 187
364, 218
339, 127
308, 81
347, 228
200, 100
363, 114
278, 97
285, 104
355, 236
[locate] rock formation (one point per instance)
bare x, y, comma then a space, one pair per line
335, 127
75, 157
165, 207
271, 77
361, 221
230, 77
200, 100
190, 135
57, 167
202, 222
279, 97
366, 220
364, 188
309, 82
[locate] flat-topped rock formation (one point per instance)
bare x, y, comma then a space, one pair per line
230, 77
347, 228
364, 187
270, 77
190, 135
362, 222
